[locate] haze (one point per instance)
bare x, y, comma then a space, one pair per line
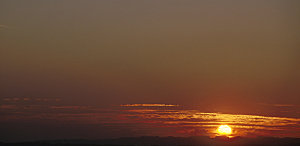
237, 57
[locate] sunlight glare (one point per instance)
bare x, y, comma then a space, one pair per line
224, 130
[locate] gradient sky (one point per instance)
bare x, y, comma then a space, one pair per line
232, 56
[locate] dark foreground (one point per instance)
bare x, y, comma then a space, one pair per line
168, 141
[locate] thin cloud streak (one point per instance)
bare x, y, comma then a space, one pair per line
4, 26
145, 105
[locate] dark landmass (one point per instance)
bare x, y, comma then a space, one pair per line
167, 141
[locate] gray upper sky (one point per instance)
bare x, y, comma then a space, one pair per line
221, 53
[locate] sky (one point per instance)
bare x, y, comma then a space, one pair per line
226, 57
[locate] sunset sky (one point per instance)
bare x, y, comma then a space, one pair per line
114, 68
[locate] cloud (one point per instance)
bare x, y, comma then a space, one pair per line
70, 107
16, 99
151, 105
3, 26
186, 122
283, 105
8, 106
277, 105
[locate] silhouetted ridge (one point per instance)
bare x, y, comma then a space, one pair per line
169, 141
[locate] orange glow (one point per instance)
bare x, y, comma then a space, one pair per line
224, 130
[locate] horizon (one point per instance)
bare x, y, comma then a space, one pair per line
135, 120
107, 69
170, 140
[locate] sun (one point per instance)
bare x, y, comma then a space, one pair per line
224, 130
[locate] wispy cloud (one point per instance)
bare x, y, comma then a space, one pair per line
70, 107
8, 106
16, 99
153, 105
4, 26
277, 105
193, 119
172, 117
283, 105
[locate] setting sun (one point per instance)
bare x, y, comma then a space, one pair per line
224, 130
